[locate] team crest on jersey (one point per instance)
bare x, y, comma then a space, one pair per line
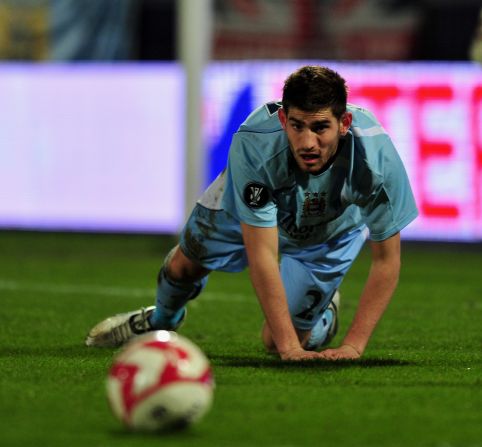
256, 195
314, 204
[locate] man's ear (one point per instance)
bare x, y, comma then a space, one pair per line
345, 122
282, 117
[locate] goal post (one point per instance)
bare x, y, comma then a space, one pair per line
194, 42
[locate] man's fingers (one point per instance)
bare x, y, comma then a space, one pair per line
344, 352
299, 355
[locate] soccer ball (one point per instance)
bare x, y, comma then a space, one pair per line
159, 381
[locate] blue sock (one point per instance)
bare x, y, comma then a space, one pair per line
171, 298
320, 331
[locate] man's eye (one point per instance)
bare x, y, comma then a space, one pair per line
319, 129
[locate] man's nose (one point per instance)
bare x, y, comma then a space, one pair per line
308, 140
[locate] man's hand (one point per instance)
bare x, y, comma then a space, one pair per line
344, 352
299, 354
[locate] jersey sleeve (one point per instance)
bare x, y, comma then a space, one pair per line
248, 193
391, 207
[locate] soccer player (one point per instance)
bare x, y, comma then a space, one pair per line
308, 180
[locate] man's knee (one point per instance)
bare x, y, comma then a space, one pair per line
178, 267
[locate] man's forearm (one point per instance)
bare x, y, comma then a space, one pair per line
262, 250
271, 295
379, 288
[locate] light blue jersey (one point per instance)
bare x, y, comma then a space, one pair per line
323, 220
366, 184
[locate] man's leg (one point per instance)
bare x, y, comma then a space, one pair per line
179, 281
210, 240
313, 314
311, 278
326, 328
313, 339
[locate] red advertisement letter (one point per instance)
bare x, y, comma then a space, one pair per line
477, 139
430, 149
380, 95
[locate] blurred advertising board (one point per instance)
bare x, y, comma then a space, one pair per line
91, 147
102, 147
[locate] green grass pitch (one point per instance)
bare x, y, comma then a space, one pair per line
419, 383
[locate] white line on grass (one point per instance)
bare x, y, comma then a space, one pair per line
87, 289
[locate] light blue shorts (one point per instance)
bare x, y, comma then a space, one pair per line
310, 275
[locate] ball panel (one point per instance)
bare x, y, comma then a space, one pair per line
178, 404
158, 380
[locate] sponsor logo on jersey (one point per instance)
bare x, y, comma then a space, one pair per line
301, 232
256, 195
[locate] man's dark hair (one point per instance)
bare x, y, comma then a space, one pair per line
313, 88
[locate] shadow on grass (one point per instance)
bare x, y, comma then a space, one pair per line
186, 432
275, 363
63, 351
78, 351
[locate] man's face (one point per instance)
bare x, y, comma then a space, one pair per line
313, 136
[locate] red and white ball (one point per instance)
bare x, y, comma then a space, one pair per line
160, 380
